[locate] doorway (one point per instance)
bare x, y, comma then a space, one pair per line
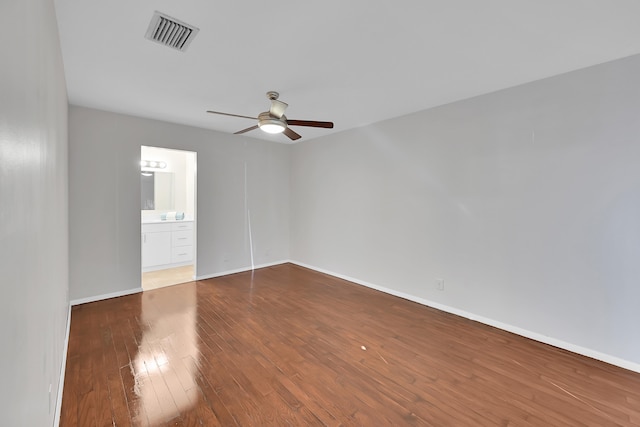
168, 216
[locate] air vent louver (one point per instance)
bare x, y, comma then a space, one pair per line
170, 32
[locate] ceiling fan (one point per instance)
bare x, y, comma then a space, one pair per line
274, 120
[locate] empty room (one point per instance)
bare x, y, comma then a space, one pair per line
333, 214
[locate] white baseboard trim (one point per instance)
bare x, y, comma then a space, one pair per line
240, 270
105, 296
63, 369
613, 360
137, 290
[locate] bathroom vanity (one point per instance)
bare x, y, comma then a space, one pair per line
166, 244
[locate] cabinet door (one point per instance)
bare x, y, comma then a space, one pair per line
156, 248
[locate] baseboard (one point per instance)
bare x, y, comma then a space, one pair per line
137, 290
105, 296
63, 370
240, 270
593, 354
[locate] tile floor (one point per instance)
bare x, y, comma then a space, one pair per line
170, 276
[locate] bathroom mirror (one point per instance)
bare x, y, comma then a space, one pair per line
156, 191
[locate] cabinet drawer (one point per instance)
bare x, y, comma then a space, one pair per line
182, 254
182, 238
178, 226
155, 228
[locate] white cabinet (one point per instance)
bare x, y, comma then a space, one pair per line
182, 238
166, 245
182, 254
182, 225
182, 242
156, 248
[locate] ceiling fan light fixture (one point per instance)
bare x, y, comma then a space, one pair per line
270, 124
272, 127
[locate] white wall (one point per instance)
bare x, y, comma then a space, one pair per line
525, 201
238, 179
34, 306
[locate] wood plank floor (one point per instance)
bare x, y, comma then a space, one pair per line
287, 346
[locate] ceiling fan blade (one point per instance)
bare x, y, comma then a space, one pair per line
246, 130
291, 134
232, 115
277, 108
310, 123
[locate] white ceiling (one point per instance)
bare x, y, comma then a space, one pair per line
352, 62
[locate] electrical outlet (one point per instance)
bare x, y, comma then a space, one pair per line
440, 284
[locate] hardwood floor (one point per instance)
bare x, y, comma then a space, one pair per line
289, 346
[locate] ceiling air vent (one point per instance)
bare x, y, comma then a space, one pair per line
170, 32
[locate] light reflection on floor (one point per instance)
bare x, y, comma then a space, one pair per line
167, 353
